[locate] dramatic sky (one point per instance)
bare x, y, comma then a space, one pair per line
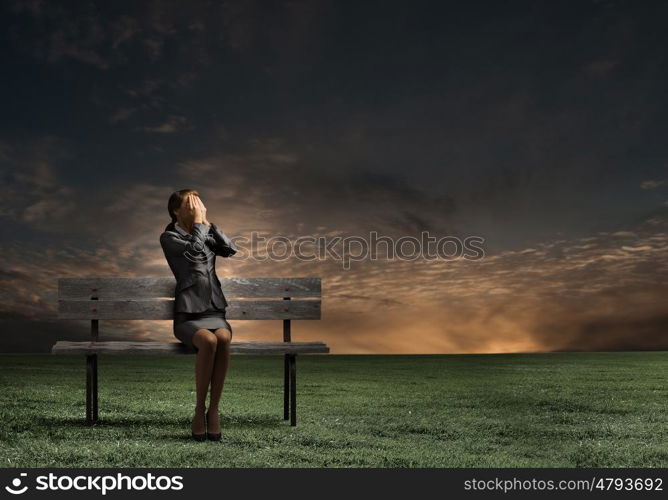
538, 126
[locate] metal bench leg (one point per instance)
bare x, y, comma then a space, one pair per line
91, 389
95, 412
286, 387
293, 389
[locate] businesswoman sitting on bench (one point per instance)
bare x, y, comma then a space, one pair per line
191, 243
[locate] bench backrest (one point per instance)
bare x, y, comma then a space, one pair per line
152, 298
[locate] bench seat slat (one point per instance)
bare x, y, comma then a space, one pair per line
123, 347
146, 288
163, 309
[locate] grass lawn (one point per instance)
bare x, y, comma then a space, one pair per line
515, 410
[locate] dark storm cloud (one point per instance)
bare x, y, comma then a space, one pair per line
538, 126
32, 191
618, 334
105, 36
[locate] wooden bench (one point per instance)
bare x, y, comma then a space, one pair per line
98, 299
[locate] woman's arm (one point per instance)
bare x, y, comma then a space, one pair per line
220, 243
217, 239
193, 249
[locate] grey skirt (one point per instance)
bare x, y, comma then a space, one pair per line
186, 324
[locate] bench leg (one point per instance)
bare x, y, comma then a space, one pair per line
286, 387
91, 389
293, 389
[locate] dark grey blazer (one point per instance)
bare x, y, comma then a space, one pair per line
192, 259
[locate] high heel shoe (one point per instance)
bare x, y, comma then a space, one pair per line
199, 437
211, 436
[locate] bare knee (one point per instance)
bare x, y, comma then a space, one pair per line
205, 340
224, 336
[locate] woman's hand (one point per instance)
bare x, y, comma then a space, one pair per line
198, 209
194, 209
203, 208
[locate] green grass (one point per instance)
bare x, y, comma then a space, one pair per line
518, 410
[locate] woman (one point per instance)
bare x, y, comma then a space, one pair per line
191, 243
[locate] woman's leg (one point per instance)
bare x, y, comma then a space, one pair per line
206, 343
222, 362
